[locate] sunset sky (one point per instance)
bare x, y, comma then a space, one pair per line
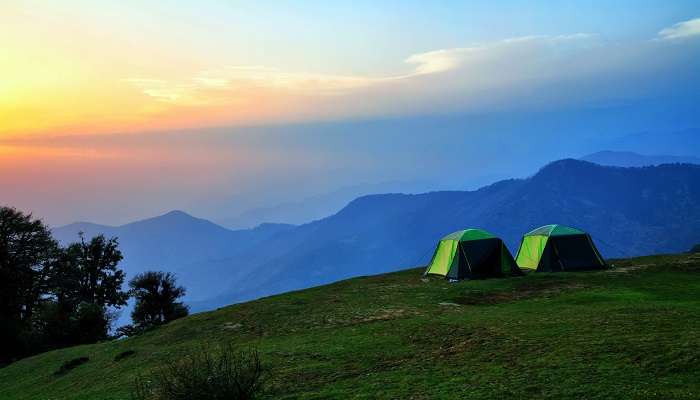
107, 107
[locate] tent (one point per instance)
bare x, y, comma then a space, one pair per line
553, 248
472, 254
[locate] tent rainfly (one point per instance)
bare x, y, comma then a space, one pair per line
554, 248
472, 254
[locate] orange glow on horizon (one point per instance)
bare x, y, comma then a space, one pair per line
59, 78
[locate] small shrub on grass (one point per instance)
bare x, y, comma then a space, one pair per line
69, 365
226, 374
126, 331
124, 354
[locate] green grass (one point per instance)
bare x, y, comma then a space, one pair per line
629, 333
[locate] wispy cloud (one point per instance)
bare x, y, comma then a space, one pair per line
520, 71
681, 30
231, 82
443, 60
436, 61
163, 90
234, 77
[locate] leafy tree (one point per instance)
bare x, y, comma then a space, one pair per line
95, 264
156, 295
27, 251
57, 326
84, 283
50, 296
55, 321
91, 323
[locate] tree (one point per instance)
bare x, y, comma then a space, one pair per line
55, 321
156, 295
85, 282
27, 251
96, 264
51, 296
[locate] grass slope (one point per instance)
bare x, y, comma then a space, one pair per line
629, 333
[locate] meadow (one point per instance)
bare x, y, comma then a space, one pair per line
629, 332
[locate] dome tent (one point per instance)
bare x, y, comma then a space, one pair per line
554, 248
472, 254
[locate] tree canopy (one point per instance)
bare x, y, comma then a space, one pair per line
27, 252
156, 294
53, 296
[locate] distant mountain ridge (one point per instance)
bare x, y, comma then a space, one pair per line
176, 242
632, 159
677, 143
319, 206
628, 211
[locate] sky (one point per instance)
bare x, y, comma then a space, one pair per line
116, 110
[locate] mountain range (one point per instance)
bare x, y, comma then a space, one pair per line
316, 207
193, 248
632, 159
628, 211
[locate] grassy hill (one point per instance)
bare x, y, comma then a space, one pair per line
632, 332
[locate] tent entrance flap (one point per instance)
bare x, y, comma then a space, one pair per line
575, 252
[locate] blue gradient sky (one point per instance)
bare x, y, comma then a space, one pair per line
217, 107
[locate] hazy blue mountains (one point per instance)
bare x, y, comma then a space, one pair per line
193, 248
632, 159
628, 211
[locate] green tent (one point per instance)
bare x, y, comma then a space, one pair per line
472, 254
553, 248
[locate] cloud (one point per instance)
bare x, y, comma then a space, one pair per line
528, 71
163, 90
444, 60
436, 61
234, 84
236, 77
231, 82
681, 30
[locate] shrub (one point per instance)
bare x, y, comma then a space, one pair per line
695, 249
69, 365
127, 331
226, 374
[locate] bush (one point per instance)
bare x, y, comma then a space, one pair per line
127, 331
69, 365
695, 249
225, 375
